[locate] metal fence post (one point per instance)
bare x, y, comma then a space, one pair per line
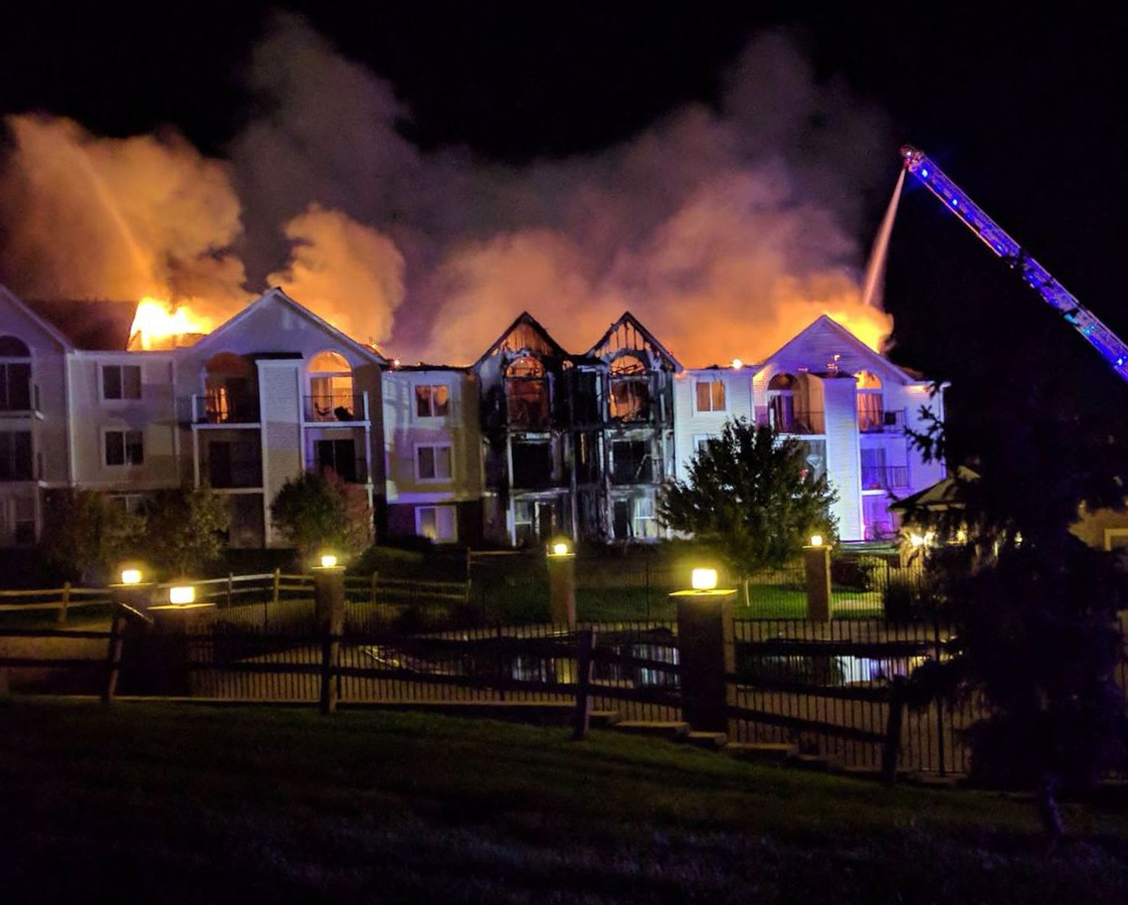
893, 730
939, 703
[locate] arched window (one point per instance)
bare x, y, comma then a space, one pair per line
630, 389
15, 375
871, 414
526, 389
332, 392
228, 394
781, 402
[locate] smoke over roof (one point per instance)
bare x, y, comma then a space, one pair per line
724, 229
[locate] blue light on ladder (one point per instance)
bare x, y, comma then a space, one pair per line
955, 202
924, 174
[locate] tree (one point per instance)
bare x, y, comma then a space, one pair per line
1033, 608
315, 511
185, 529
751, 498
87, 535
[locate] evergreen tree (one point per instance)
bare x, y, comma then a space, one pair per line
751, 499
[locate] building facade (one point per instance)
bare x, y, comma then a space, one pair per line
528, 443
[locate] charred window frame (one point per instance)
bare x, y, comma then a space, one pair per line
630, 389
631, 462
526, 391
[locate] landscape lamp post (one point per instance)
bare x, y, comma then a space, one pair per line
169, 647
562, 584
816, 560
705, 650
329, 603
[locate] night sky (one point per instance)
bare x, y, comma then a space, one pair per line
1022, 107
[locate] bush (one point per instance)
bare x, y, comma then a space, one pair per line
861, 573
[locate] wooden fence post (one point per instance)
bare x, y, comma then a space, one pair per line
274, 591
66, 603
893, 730
113, 659
585, 661
230, 581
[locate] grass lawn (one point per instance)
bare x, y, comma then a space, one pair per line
196, 804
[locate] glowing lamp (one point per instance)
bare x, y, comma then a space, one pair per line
816, 540
703, 579
131, 576
328, 561
916, 540
737, 364
181, 594
560, 549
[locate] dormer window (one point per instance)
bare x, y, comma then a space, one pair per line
526, 390
630, 389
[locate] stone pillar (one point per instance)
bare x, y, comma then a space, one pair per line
329, 600
562, 589
705, 656
168, 648
817, 562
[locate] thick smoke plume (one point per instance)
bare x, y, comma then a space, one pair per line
723, 229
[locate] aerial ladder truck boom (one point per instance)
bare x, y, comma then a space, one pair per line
1111, 347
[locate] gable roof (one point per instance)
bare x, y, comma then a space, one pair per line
276, 296
828, 325
10, 298
532, 329
628, 334
96, 325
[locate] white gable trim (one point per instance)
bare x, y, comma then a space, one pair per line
880, 362
277, 295
6, 295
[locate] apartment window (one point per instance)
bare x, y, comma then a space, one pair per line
436, 522
15, 375
701, 442
124, 447
710, 395
432, 400
121, 381
432, 463
15, 456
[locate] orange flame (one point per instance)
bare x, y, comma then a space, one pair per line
159, 325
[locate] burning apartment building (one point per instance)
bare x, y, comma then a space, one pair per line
530, 442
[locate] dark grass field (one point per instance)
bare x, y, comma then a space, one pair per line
189, 803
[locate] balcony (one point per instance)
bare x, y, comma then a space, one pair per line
885, 477
233, 474
881, 422
802, 423
351, 472
346, 408
19, 399
223, 410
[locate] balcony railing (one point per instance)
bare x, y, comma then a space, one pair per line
236, 474
211, 410
340, 407
885, 477
20, 401
797, 422
882, 422
352, 472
